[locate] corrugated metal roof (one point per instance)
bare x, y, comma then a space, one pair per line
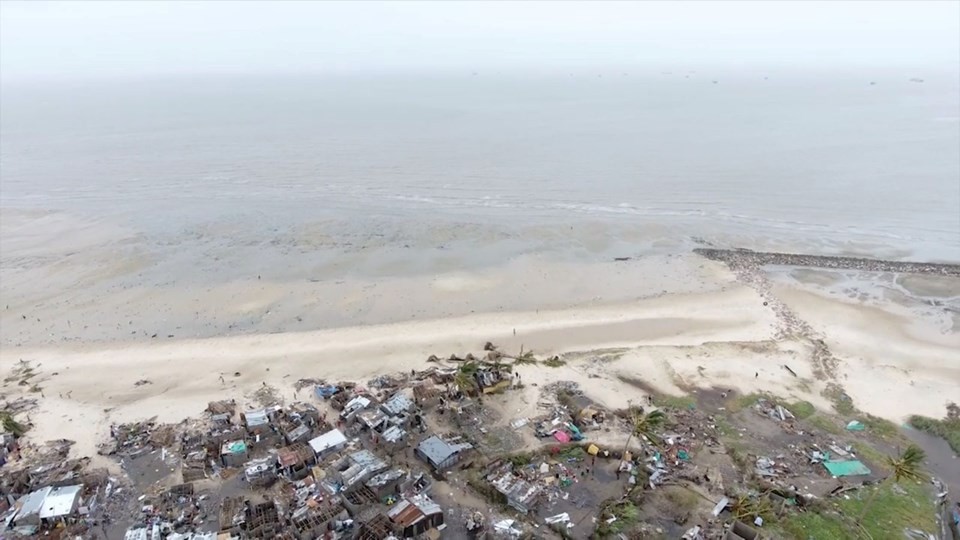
384, 478
393, 434
257, 467
398, 404
60, 501
367, 458
426, 504
359, 402
31, 503
438, 450
136, 534
328, 440
516, 488
372, 419
405, 513
435, 449
294, 454
298, 432
256, 418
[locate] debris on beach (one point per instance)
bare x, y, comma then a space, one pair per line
461, 445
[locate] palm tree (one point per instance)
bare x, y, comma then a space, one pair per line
647, 424
464, 379
524, 358
906, 466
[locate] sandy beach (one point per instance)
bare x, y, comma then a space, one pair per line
710, 331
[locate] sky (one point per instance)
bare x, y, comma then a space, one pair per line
81, 40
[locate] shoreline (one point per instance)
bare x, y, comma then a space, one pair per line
674, 342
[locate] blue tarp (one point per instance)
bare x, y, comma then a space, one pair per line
324, 392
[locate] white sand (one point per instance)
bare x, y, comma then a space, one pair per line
720, 338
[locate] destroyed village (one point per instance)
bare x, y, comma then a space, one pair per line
474, 446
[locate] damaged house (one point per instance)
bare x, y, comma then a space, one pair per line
520, 493
353, 407
440, 454
294, 461
357, 468
329, 443
414, 516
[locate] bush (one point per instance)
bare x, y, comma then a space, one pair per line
801, 409
11, 425
948, 428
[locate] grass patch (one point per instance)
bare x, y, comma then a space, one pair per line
744, 401
876, 458
825, 423
801, 409
888, 514
814, 525
681, 499
841, 401
675, 402
738, 455
948, 428
724, 427
881, 427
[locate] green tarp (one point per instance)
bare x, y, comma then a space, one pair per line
846, 468
237, 447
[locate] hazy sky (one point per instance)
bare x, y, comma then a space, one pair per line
136, 38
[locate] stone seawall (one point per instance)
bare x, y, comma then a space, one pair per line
742, 258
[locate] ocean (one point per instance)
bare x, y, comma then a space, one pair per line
419, 173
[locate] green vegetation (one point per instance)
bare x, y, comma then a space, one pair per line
825, 423
12, 426
682, 500
817, 525
841, 401
741, 402
880, 427
871, 454
675, 402
555, 361
521, 460
906, 466
885, 518
647, 424
627, 515
525, 358
801, 409
486, 489
724, 427
746, 508
948, 428
464, 379
573, 452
